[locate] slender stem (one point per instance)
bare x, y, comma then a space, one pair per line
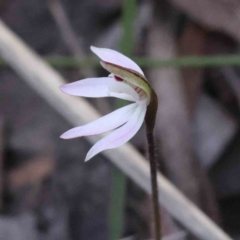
153, 167
117, 204
119, 179
187, 61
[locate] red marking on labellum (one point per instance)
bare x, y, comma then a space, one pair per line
137, 89
118, 78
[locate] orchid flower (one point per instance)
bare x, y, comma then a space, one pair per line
126, 81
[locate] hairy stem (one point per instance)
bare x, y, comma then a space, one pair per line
153, 168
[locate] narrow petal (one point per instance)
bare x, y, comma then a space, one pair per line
103, 124
120, 135
114, 57
90, 87
101, 87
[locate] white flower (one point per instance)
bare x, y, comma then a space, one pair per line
126, 81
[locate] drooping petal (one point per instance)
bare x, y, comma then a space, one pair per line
103, 124
123, 91
114, 57
90, 87
120, 135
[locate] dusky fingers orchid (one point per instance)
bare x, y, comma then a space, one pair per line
126, 81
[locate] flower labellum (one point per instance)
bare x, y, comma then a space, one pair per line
126, 81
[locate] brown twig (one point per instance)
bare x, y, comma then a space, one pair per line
68, 34
36, 170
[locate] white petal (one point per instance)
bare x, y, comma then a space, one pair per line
120, 135
123, 91
101, 87
103, 124
112, 56
90, 87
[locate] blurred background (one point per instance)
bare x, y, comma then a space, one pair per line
48, 192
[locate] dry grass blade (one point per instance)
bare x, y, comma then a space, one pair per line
46, 81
